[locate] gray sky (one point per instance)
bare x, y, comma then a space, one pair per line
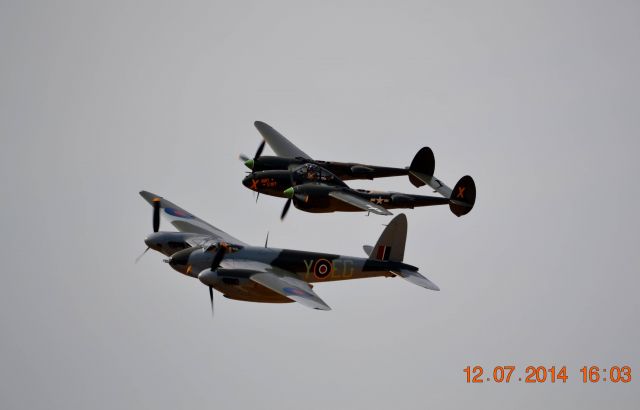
537, 100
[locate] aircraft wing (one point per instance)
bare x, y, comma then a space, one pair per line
359, 202
278, 143
280, 281
186, 222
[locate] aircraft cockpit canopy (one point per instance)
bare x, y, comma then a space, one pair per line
313, 173
228, 247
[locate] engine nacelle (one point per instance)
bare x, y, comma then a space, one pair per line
168, 243
209, 277
213, 278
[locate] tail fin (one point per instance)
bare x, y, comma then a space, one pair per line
422, 167
390, 245
463, 196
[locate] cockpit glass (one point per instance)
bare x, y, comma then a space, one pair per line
313, 172
229, 248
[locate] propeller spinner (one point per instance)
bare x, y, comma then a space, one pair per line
251, 162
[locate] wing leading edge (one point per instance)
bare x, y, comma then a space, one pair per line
278, 143
184, 221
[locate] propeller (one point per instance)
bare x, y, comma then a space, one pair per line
251, 162
156, 214
287, 205
156, 222
215, 263
289, 193
211, 298
142, 254
217, 258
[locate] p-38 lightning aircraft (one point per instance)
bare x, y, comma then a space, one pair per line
318, 186
289, 156
261, 274
312, 188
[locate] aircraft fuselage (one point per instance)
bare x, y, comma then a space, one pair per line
311, 267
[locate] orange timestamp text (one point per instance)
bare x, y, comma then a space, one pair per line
544, 374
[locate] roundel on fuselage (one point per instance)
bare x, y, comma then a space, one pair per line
322, 268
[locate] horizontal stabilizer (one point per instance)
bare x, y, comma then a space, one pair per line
368, 249
437, 185
416, 278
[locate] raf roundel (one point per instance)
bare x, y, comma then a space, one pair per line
295, 292
322, 268
178, 212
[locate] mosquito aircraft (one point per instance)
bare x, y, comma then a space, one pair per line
289, 156
261, 274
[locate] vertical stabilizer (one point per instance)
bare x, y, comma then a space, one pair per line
390, 245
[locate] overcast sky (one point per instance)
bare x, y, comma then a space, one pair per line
538, 101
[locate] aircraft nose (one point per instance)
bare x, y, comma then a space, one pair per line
247, 181
152, 242
289, 192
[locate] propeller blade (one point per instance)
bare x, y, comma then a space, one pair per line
156, 214
142, 254
217, 258
266, 241
259, 151
287, 205
251, 162
211, 298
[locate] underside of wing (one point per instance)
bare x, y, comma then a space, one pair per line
278, 143
359, 202
186, 222
286, 284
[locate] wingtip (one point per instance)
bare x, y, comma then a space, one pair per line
150, 196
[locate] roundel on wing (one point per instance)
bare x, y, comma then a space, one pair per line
322, 268
178, 212
295, 292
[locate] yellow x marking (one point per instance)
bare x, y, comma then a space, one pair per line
461, 192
